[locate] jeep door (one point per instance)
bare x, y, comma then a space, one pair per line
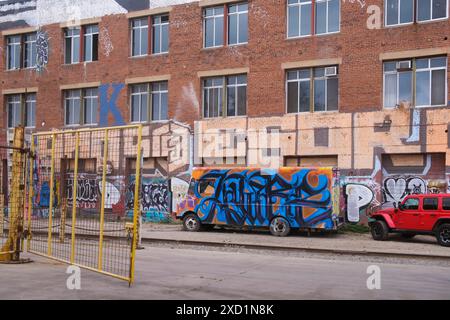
429, 213
408, 217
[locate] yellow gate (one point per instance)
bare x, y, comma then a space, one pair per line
84, 198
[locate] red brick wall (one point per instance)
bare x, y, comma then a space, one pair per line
360, 73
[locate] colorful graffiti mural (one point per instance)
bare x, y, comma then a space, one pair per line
253, 197
359, 197
395, 189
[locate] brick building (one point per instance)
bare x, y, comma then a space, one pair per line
360, 85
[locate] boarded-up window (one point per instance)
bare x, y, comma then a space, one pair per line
311, 161
224, 162
149, 165
84, 165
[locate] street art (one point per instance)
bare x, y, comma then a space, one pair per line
154, 198
44, 195
253, 197
105, 42
358, 197
87, 192
395, 189
110, 105
42, 50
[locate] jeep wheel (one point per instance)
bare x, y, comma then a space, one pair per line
443, 235
191, 223
379, 230
280, 227
407, 235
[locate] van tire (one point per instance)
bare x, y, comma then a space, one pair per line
279, 227
443, 234
379, 230
191, 223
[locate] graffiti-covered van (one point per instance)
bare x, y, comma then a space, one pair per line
281, 199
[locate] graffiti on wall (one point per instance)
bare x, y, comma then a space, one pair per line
358, 197
395, 189
154, 198
87, 192
110, 105
254, 197
42, 50
105, 42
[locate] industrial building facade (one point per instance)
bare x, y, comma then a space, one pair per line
357, 85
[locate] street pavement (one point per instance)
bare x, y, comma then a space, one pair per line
177, 272
344, 242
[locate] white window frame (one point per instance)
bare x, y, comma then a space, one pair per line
430, 70
140, 27
69, 35
222, 94
160, 93
414, 98
238, 14
15, 104
315, 19
298, 4
32, 44
28, 100
89, 36
16, 45
160, 25
65, 106
213, 17
235, 87
95, 111
297, 80
397, 74
398, 15
140, 94
431, 12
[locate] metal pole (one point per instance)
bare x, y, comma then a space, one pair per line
74, 197
50, 205
102, 208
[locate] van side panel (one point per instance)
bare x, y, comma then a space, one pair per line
252, 197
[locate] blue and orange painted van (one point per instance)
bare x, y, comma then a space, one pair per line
281, 199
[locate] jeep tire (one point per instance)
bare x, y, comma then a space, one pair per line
379, 230
443, 234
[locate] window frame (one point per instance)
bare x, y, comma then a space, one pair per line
414, 71
399, 24
26, 43
214, 16
224, 95
85, 97
22, 105
8, 51
90, 35
311, 81
327, 18
160, 24
140, 31
238, 14
82, 98
72, 39
416, 17
149, 92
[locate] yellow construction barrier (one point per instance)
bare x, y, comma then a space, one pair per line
84, 198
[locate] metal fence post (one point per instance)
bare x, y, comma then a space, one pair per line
74, 197
102, 208
50, 204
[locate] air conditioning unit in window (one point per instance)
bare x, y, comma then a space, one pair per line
330, 71
404, 65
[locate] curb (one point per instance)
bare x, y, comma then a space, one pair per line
296, 249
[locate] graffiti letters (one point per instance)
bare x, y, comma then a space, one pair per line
42, 50
87, 192
397, 188
359, 197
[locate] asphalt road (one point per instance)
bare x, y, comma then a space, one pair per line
165, 272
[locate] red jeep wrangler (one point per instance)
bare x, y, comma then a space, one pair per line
417, 214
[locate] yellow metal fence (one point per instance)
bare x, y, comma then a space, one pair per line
83, 195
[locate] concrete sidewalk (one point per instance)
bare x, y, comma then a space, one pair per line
426, 246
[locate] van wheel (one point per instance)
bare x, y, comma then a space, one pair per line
280, 227
379, 230
191, 223
443, 235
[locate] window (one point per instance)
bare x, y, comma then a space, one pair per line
72, 38
428, 10
411, 204
446, 203
160, 34
81, 106
399, 12
213, 27
30, 51
238, 23
21, 109
431, 82
139, 37
326, 15
90, 106
91, 43
230, 91
155, 108
312, 89
430, 203
13, 52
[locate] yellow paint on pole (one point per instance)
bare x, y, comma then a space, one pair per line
102, 208
50, 204
30, 193
74, 197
